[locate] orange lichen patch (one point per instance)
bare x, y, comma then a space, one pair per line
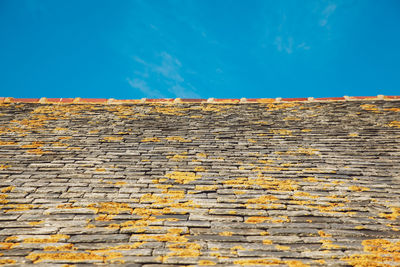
319, 261
201, 155
71, 256
215, 107
394, 124
205, 187
199, 169
8, 245
112, 138
323, 234
261, 219
252, 140
358, 188
300, 151
262, 262
110, 207
184, 250
327, 244
8, 143
304, 194
74, 148
282, 132
196, 116
311, 179
353, 134
206, 262
178, 139
369, 107
34, 144
36, 223
7, 261
183, 177
51, 239
178, 157
3, 199
168, 109
306, 130
264, 182
274, 107
171, 236
267, 242
381, 253
391, 216
18, 207
262, 202
65, 247
7, 189
293, 263
282, 247
150, 139
37, 151
393, 109
118, 247
100, 170
67, 206
226, 233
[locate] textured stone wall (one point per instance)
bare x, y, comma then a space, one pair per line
291, 184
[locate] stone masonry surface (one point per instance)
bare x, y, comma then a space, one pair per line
178, 184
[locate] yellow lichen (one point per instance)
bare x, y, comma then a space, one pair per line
50, 239
150, 139
37, 257
7, 189
206, 262
392, 216
199, 169
4, 166
112, 138
35, 223
261, 219
381, 252
370, 107
279, 247
183, 177
178, 139
394, 124
7, 261
282, 132
226, 233
358, 188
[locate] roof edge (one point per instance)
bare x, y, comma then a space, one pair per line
79, 100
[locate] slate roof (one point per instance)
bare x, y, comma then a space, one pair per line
286, 182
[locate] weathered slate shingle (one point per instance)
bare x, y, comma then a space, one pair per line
290, 183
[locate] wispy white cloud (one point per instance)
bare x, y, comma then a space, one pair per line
166, 74
144, 88
284, 44
326, 13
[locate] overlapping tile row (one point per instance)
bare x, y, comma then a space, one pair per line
147, 184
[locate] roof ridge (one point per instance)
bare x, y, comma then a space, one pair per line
79, 100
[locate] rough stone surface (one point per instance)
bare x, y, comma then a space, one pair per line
265, 184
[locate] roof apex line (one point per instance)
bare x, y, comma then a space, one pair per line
78, 100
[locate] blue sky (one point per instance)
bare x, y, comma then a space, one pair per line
199, 49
